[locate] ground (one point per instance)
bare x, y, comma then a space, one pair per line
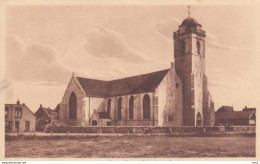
132, 147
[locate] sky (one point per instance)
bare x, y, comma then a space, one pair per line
45, 44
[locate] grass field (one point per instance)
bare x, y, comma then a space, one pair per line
133, 147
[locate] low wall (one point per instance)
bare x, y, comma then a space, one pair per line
137, 129
241, 129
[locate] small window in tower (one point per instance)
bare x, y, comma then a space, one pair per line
170, 118
198, 47
177, 85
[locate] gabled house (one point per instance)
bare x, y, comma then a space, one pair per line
45, 116
226, 116
19, 118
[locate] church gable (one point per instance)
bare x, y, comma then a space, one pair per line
74, 86
72, 104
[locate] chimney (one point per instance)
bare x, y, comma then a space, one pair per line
18, 102
40, 105
245, 107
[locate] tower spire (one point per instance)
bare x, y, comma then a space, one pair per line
188, 10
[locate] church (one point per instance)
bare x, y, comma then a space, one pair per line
177, 96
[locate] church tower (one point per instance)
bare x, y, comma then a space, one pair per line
189, 55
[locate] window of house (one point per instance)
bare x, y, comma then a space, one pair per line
18, 111
6, 111
27, 125
8, 126
170, 118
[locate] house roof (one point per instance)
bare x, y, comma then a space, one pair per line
21, 105
48, 111
232, 115
130, 85
249, 109
225, 109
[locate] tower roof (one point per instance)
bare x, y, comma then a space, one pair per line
190, 22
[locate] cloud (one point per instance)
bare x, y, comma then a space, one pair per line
108, 44
33, 62
223, 85
168, 26
214, 43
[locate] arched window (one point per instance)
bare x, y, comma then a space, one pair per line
119, 109
94, 123
131, 108
198, 119
108, 106
198, 47
146, 107
73, 106
183, 47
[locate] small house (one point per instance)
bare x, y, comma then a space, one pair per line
19, 118
45, 116
226, 116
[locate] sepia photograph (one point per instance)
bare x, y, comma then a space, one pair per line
129, 81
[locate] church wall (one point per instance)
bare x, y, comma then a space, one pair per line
138, 111
73, 86
169, 96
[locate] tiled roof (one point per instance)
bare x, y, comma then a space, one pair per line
249, 109
232, 115
20, 105
48, 111
225, 109
130, 85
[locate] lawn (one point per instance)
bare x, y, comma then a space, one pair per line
133, 147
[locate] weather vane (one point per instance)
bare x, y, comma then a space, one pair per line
188, 11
